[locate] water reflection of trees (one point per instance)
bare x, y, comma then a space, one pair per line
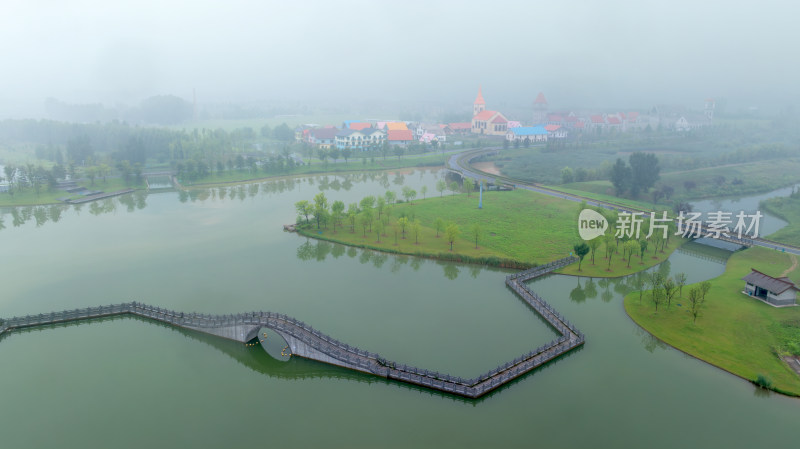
649, 342
53, 213
577, 294
41, 215
319, 250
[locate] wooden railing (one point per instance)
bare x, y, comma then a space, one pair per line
350, 355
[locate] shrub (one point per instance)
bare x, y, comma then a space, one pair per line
763, 381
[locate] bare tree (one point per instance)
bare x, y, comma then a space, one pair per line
670, 288
696, 302
680, 279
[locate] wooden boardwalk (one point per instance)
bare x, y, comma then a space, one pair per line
305, 341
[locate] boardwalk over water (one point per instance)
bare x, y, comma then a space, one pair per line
305, 341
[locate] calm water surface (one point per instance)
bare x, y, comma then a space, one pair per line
131, 383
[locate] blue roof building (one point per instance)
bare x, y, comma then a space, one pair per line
532, 133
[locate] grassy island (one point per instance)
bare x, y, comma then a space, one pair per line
515, 229
733, 331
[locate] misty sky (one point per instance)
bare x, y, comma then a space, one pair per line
579, 53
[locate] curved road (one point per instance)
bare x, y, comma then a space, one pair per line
460, 163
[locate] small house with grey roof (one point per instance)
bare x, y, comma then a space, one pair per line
776, 291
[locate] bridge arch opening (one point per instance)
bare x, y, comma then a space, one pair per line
274, 344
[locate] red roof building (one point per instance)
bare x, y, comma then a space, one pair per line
399, 136
479, 99
358, 126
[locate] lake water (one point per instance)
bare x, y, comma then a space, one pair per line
132, 383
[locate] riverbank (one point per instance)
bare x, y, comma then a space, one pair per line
51, 197
787, 209
703, 183
356, 164
734, 332
375, 164
517, 229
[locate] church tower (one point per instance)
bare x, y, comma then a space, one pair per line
539, 109
479, 105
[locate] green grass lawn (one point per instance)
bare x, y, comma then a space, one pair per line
520, 228
598, 192
735, 332
619, 265
755, 177
788, 209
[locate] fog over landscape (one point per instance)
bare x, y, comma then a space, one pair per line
408, 54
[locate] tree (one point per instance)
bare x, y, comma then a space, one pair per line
283, 132
670, 288
337, 210
385, 149
320, 207
475, 231
629, 248
368, 215
368, 202
352, 212
696, 302
469, 186
567, 175
165, 110
365, 221
438, 224
452, 233
380, 206
657, 297
680, 279
639, 282
303, 208
655, 279
90, 172
441, 186
403, 223
416, 228
10, 172
581, 250
454, 187
620, 177
379, 227
593, 245
423, 190
346, 152
409, 194
608, 240
644, 172
705, 286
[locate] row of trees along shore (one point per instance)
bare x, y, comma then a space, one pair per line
29, 177
375, 214
627, 245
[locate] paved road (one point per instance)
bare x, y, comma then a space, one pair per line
460, 163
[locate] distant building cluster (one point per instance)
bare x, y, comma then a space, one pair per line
545, 126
